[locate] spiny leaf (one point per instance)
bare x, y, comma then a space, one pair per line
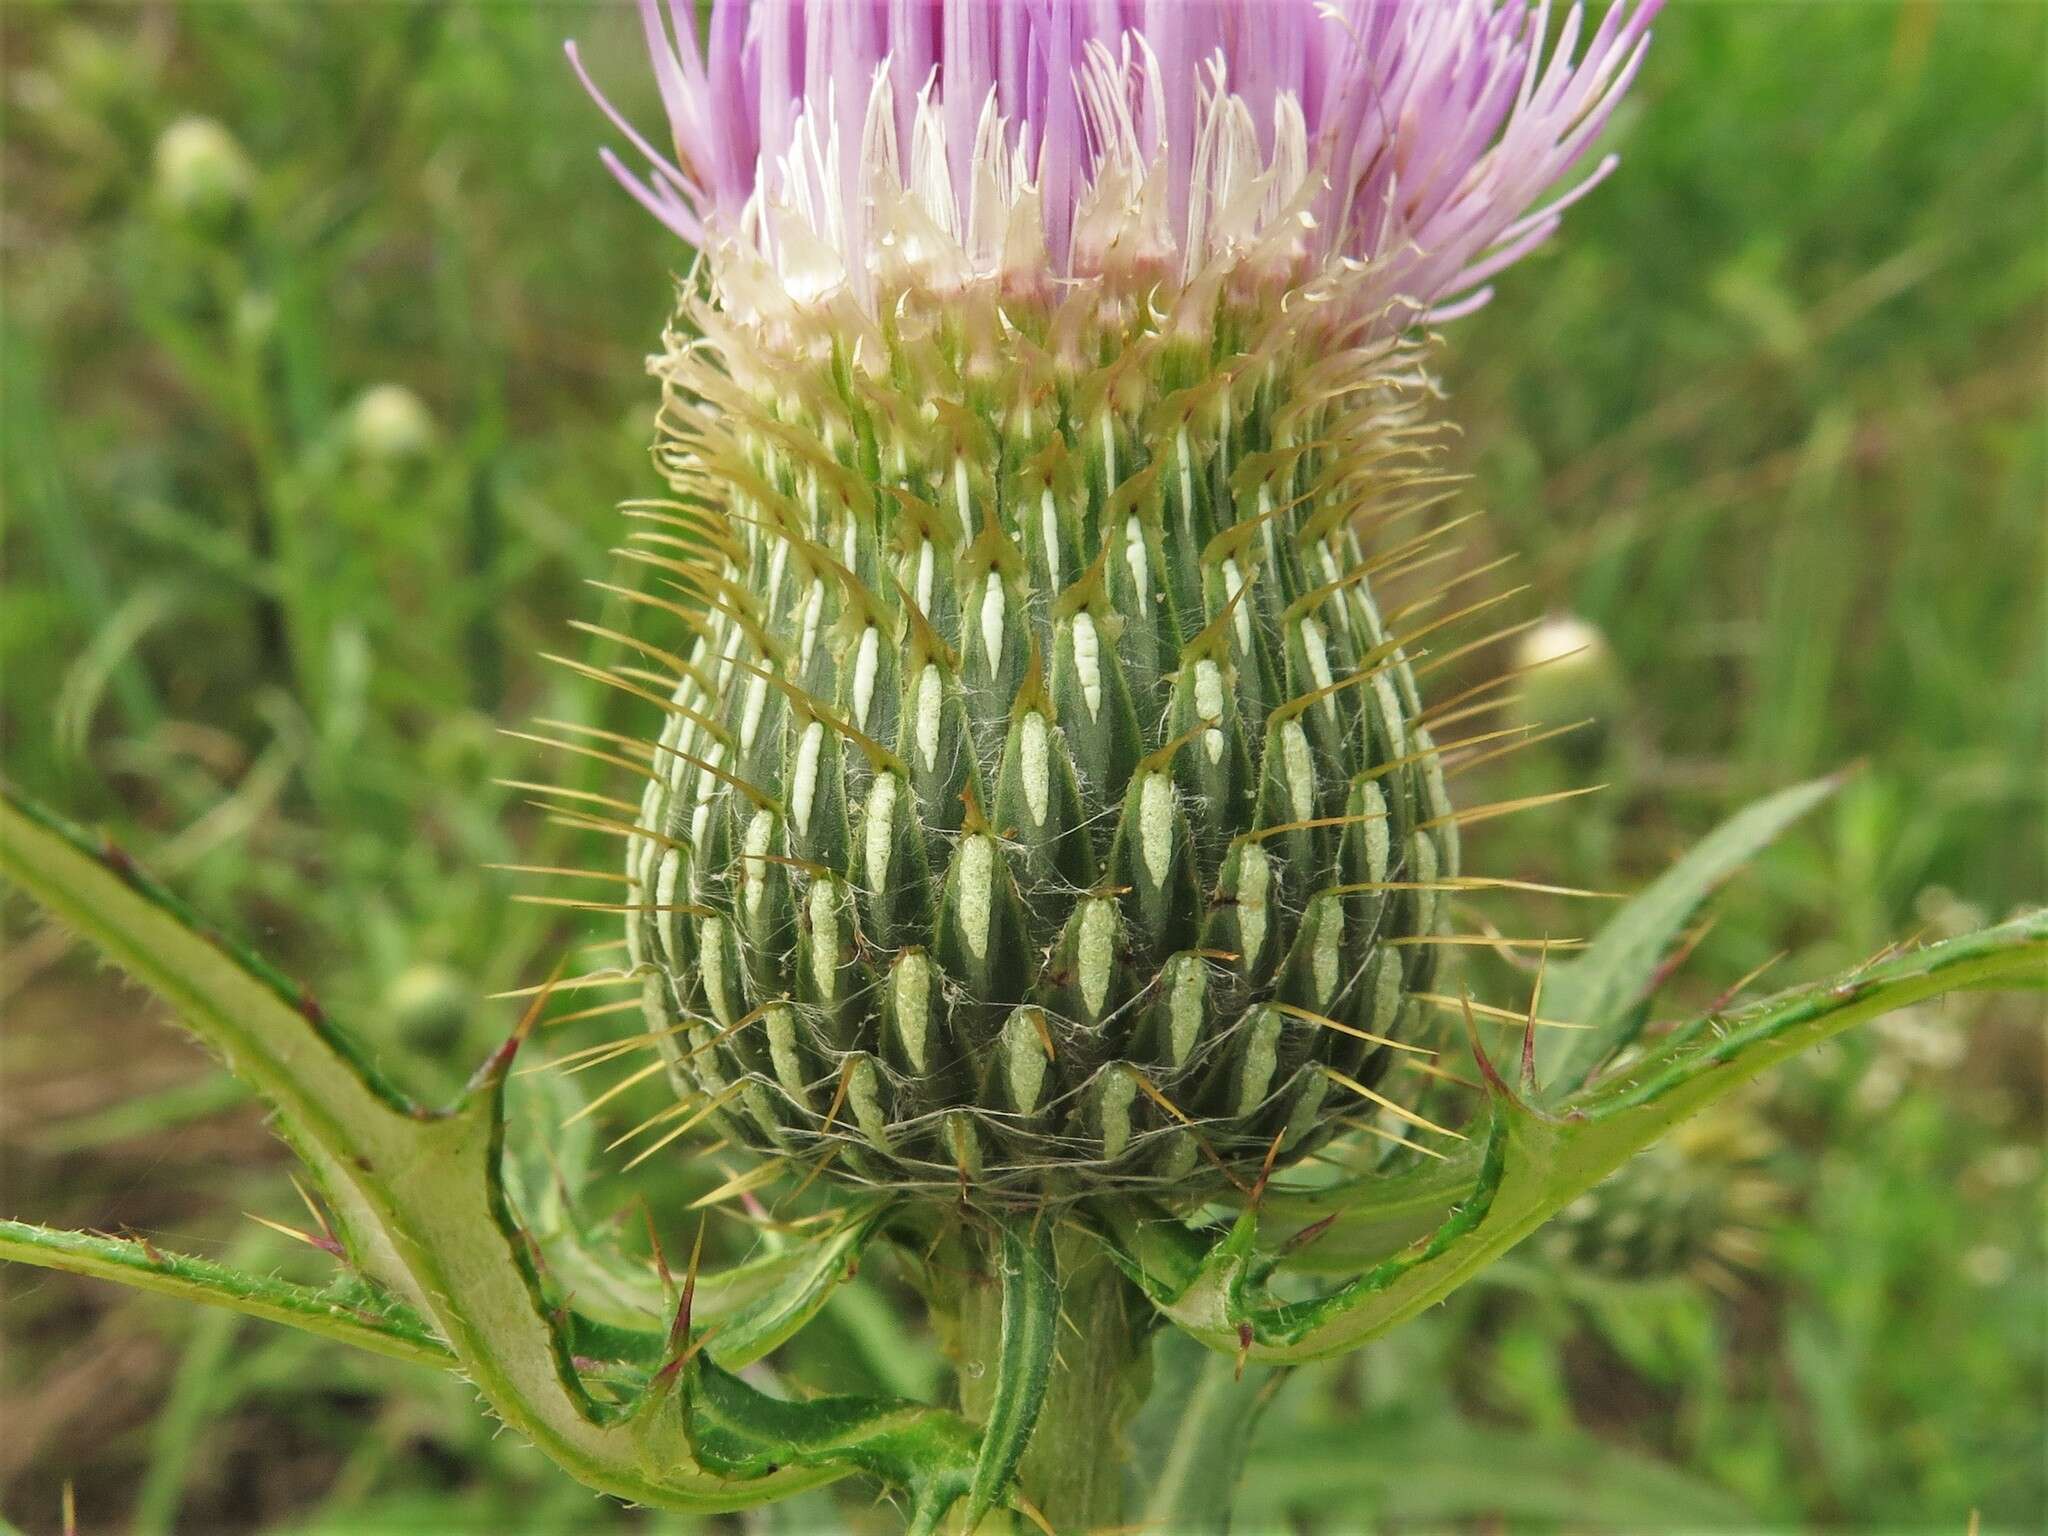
748, 1309
1536, 1162
265, 1028
1351, 1223
1599, 991
348, 1310
419, 1191
747, 1434
757, 1307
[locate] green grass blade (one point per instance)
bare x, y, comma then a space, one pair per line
1436, 1474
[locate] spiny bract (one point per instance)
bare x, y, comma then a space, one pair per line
1044, 802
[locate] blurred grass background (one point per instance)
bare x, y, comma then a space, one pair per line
306, 459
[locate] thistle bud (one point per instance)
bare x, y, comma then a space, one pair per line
1044, 799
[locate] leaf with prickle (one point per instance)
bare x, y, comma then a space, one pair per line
747, 1309
543, 1167
745, 1312
757, 1307
1031, 1314
1536, 1160
265, 1028
347, 1310
1350, 1223
1606, 986
747, 1434
1353, 1222
420, 1190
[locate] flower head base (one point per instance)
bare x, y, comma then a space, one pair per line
1045, 803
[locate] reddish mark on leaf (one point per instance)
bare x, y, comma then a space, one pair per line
679, 1330
1309, 1234
499, 1062
1494, 1081
115, 858
668, 1281
1266, 1167
1675, 961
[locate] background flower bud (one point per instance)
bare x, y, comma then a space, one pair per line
202, 173
1569, 673
429, 1003
389, 424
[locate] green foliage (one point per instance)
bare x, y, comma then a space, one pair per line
1536, 1159
1761, 405
432, 1242
423, 1214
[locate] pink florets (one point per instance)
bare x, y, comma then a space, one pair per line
1429, 129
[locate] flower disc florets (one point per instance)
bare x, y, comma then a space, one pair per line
1043, 801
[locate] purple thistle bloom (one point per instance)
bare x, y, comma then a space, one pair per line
970, 137
1046, 420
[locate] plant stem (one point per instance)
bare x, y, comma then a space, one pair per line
1073, 1473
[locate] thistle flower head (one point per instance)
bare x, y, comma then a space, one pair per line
1044, 800
855, 147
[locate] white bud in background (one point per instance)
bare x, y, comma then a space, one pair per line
1569, 673
202, 172
429, 1004
255, 319
389, 424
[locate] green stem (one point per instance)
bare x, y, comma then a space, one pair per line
1073, 1470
